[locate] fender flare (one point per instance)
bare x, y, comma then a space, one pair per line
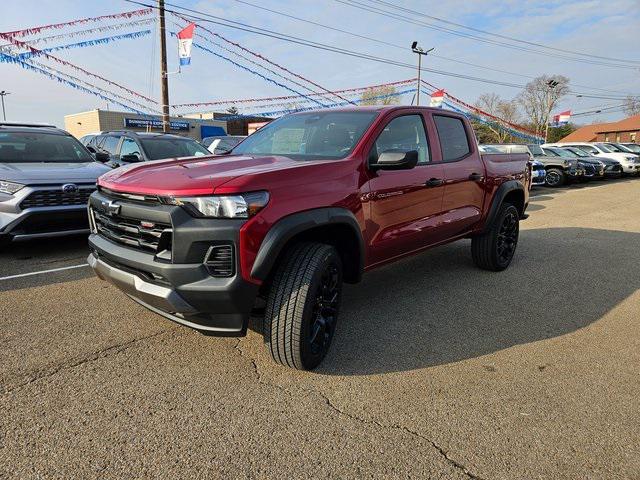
498, 198
288, 227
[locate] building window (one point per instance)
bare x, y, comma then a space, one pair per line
617, 137
633, 137
606, 138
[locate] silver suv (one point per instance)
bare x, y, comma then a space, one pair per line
46, 177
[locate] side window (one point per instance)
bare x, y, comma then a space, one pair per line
404, 133
110, 144
453, 137
129, 147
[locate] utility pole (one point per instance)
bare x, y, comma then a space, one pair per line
164, 81
551, 84
3, 94
416, 49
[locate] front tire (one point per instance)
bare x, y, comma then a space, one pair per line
303, 305
494, 249
555, 178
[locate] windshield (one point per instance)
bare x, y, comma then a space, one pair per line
563, 153
632, 147
161, 147
19, 147
604, 148
578, 152
535, 150
330, 135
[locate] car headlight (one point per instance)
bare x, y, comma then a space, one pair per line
243, 205
9, 187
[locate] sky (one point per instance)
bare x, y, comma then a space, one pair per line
606, 28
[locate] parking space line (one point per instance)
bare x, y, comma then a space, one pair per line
11, 277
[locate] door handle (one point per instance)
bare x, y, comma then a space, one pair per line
476, 177
434, 182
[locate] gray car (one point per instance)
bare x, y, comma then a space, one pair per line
46, 177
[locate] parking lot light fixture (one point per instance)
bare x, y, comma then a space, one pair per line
420, 52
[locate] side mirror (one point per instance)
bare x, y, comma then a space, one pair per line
396, 160
91, 149
102, 157
131, 158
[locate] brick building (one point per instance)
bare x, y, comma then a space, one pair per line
624, 131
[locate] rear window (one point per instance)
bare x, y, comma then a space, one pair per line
158, 148
453, 137
21, 147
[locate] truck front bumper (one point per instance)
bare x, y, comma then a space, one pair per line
183, 285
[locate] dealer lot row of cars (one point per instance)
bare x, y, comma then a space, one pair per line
556, 164
46, 175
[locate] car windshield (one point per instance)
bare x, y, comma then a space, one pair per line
578, 152
161, 147
536, 150
563, 153
36, 147
604, 148
313, 135
632, 147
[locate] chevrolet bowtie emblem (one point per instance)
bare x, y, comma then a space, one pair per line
111, 208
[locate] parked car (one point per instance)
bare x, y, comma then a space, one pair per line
222, 144
630, 163
593, 168
125, 147
558, 170
46, 177
304, 203
611, 167
85, 139
632, 147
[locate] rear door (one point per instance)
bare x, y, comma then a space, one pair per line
405, 205
464, 174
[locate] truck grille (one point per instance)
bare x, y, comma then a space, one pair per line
146, 236
220, 261
56, 198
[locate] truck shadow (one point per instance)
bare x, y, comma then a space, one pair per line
437, 307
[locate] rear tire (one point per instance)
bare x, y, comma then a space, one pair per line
555, 178
303, 305
494, 249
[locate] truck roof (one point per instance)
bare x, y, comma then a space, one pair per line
377, 108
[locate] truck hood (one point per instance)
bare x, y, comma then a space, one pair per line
194, 175
38, 173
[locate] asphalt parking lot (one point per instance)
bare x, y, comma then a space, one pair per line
438, 370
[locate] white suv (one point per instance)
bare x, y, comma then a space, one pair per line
630, 162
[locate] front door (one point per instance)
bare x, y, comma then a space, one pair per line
405, 205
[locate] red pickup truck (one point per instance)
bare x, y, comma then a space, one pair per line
313, 199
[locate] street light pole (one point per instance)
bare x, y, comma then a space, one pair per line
416, 49
551, 84
3, 94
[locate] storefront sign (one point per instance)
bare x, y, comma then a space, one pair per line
155, 124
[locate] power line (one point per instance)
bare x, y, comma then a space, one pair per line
505, 37
379, 11
395, 45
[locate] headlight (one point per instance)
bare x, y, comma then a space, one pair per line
9, 187
567, 163
243, 205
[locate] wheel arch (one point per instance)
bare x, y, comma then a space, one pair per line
510, 191
333, 225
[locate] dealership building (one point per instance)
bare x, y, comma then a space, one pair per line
627, 130
93, 121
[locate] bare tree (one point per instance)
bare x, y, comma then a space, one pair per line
506, 110
371, 96
540, 97
631, 106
